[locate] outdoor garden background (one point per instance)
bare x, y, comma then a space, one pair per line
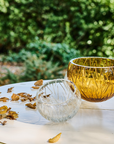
39, 37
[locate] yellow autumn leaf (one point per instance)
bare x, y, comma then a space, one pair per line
54, 139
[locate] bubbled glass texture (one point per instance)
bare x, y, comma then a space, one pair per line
93, 76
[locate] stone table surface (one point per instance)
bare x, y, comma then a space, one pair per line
93, 124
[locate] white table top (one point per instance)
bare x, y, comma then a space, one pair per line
93, 124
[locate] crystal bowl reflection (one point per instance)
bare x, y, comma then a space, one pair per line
93, 76
58, 100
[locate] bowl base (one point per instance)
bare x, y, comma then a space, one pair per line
97, 99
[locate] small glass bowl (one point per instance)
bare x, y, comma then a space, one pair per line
58, 100
93, 76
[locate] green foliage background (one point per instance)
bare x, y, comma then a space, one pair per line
84, 25
53, 32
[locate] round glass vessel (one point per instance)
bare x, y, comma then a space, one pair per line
93, 76
58, 100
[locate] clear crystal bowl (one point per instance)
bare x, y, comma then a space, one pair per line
58, 100
93, 76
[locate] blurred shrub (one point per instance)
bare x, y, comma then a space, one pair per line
34, 68
84, 25
60, 53
37, 68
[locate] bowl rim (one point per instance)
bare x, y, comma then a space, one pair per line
55, 80
91, 66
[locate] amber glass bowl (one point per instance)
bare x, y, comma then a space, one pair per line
93, 76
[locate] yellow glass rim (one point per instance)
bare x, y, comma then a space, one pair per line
91, 66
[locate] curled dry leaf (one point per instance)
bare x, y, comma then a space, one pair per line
3, 123
3, 109
35, 87
31, 99
4, 99
54, 139
11, 117
21, 94
2, 116
13, 113
0, 92
5, 112
24, 95
39, 82
32, 106
10, 89
14, 97
24, 99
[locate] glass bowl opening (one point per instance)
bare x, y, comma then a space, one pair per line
93, 62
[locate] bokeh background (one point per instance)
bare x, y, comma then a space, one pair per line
39, 37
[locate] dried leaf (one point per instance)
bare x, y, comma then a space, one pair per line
21, 94
2, 116
32, 106
11, 117
35, 87
5, 112
8, 109
0, 92
3, 109
4, 99
25, 95
39, 82
54, 139
13, 113
14, 97
31, 99
3, 123
24, 99
10, 89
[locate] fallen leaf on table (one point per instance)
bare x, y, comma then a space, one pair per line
5, 112
54, 139
14, 97
31, 99
3, 109
4, 99
24, 95
39, 82
33, 106
3, 123
13, 113
2, 116
35, 87
10, 89
24, 99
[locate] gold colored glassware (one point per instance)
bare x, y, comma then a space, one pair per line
93, 76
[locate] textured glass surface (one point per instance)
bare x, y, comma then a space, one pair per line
93, 76
58, 100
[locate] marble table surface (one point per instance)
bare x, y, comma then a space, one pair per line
93, 124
